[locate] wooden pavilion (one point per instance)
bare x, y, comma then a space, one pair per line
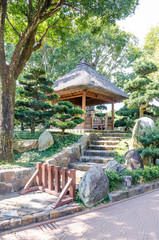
85, 87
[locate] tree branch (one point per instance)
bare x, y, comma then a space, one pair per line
30, 10
25, 54
39, 44
22, 10
45, 15
15, 30
71, 6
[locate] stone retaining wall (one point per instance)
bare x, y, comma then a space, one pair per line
13, 180
70, 154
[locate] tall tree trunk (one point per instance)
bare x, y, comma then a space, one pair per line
143, 108
22, 126
7, 95
32, 126
141, 112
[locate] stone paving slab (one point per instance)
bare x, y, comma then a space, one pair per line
20, 210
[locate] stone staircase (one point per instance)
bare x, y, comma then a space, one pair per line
100, 151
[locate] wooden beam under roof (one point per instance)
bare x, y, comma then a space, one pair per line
98, 96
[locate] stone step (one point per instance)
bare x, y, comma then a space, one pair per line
102, 147
99, 153
109, 138
85, 166
102, 142
95, 159
113, 134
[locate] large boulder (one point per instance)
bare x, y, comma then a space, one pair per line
115, 166
25, 145
133, 160
140, 130
94, 186
45, 141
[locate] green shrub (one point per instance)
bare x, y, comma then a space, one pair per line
150, 173
115, 180
66, 115
150, 141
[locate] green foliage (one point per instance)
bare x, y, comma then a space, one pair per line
122, 148
115, 180
126, 117
66, 115
30, 158
101, 107
99, 114
142, 88
142, 67
150, 141
149, 173
33, 107
109, 59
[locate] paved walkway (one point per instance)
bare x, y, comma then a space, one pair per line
135, 219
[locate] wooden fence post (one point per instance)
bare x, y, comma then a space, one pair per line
51, 177
73, 185
39, 177
44, 175
57, 179
64, 177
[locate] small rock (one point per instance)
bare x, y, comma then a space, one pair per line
25, 145
94, 186
115, 166
133, 160
45, 141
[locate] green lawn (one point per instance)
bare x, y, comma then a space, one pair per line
29, 158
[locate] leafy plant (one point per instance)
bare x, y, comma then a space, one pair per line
150, 141
126, 117
115, 180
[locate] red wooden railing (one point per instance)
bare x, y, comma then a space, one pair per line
54, 180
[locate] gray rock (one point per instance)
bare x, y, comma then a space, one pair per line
94, 186
133, 160
115, 166
45, 141
140, 130
25, 145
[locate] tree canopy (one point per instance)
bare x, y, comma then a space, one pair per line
143, 89
26, 23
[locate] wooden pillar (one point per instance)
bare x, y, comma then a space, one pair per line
84, 107
113, 114
106, 121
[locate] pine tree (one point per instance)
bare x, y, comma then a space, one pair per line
37, 91
142, 88
66, 116
126, 117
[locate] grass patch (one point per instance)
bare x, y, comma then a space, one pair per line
29, 158
122, 148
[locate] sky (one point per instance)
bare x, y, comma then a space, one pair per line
145, 17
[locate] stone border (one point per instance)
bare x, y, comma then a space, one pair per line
38, 217
123, 194
12, 180
75, 208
